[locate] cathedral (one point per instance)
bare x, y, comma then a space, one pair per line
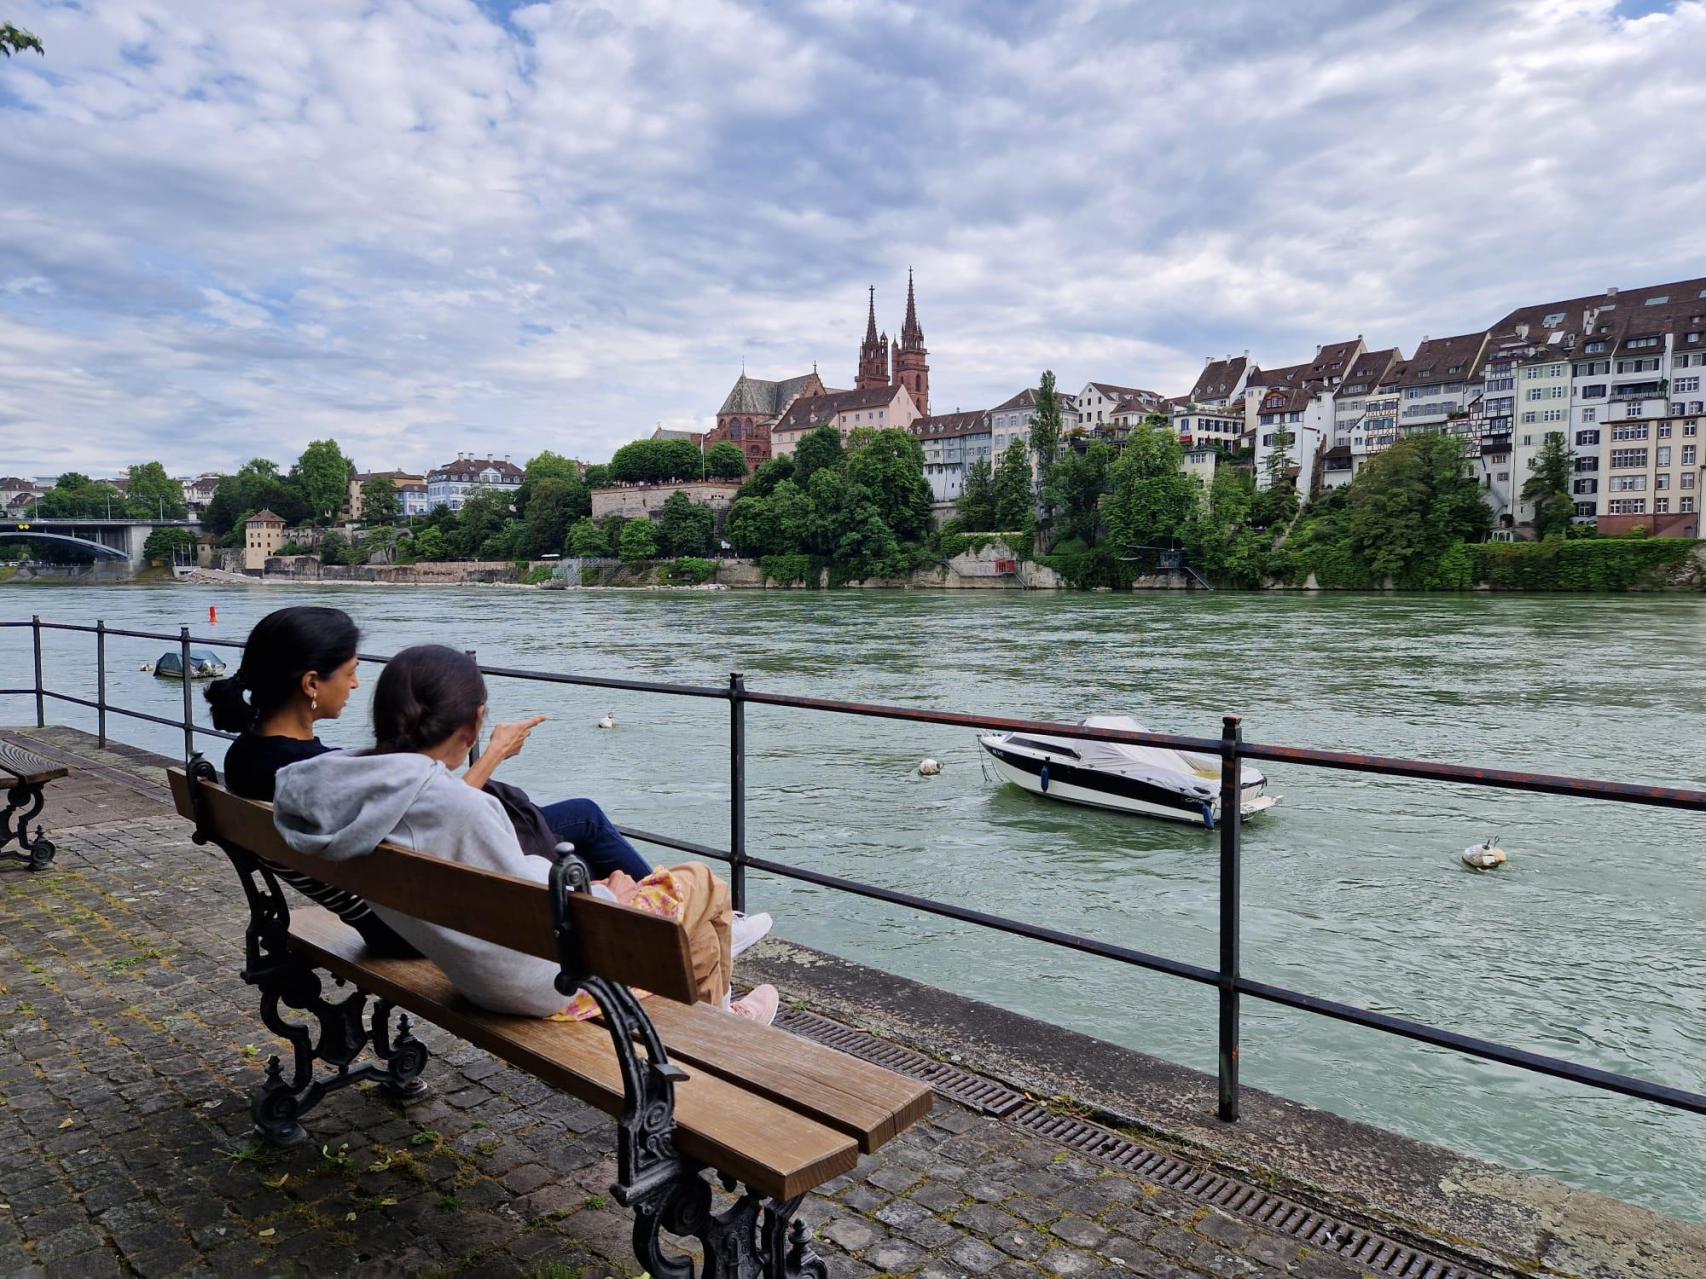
905, 363
755, 405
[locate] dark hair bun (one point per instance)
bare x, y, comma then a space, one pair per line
425, 694
230, 709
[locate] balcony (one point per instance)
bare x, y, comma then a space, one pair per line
1641, 390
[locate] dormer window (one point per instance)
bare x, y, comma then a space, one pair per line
1593, 348
1553, 320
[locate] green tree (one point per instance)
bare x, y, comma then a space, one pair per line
152, 494
587, 540
482, 526
1075, 487
1153, 501
725, 461
975, 506
656, 462
16, 40
685, 527
380, 501
322, 474
818, 450
597, 476
335, 549
848, 526
429, 544
1013, 502
380, 542
554, 506
1279, 498
768, 475
1410, 505
753, 529
170, 546
889, 466
639, 540
76, 495
552, 466
1045, 443
1547, 490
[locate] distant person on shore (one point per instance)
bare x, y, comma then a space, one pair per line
427, 713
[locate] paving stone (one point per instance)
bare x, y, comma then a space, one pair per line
895, 1256
938, 1197
974, 1256
894, 1180
1271, 1249
1065, 1261
850, 1233
1079, 1233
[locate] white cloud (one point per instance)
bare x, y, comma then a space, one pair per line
232, 227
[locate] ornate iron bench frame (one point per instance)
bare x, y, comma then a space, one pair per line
668, 1193
26, 799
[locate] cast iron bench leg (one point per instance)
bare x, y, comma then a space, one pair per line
36, 853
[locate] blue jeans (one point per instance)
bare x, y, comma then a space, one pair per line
597, 842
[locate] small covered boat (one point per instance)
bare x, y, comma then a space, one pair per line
1148, 781
203, 665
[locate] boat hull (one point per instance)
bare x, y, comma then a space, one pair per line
1074, 785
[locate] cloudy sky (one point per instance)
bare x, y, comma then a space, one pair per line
426, 226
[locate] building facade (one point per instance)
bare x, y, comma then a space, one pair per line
263, 534
1011, 420
879, 407
452, 484
951, 443
752, 408
1100, 403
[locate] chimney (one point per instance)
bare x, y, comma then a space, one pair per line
1207, 360
1611, 293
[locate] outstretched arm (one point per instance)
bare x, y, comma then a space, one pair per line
506, 740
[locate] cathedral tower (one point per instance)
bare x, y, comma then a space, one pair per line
911, 365
873, 352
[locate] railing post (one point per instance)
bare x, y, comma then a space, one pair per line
1231, 832
101, 682
474, 750
189, 693
737, 790
41, 700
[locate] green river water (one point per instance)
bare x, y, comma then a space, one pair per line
1588, 945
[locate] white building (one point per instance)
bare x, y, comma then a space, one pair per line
952, 442
452, 484
879, 408
1099, 402
1011, 420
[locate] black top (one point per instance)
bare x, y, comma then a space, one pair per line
252, 763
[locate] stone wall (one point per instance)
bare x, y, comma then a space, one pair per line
634, 500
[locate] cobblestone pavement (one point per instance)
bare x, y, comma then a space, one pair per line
128, 1041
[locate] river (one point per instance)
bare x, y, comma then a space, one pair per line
1588, 945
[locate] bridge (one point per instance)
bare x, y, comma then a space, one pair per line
118, 539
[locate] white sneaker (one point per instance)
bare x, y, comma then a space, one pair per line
748, 930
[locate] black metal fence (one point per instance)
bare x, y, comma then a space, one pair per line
1227, 979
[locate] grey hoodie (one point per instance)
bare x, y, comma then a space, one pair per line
342, 805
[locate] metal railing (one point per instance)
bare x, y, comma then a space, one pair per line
1227, 978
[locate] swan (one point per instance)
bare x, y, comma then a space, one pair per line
609, 721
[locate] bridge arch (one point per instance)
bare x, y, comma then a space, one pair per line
101, 551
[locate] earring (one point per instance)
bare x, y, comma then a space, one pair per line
313, 703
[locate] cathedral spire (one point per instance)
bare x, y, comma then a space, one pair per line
911, 335
871, 317
873, 352
911, 361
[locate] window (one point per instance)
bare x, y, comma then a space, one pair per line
1628, 484
1593, 391
1661, 481
1687, 481
1677, 408
1554, 415
1661, 506
1685, 384
1503, 476
1628, 457
1530, 416
1661, 455
1590, 415
1626, 506
1527, 440
1587, 464
1582, 487
1664, 429
1585, 509
1632, 409
1690, 429
1591, 368
1641, 344
1686, 505
1594, 348
1638, 366
1552, 321
1688, 455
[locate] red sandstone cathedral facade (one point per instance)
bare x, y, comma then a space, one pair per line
753, 407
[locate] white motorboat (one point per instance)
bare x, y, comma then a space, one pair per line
1150, 781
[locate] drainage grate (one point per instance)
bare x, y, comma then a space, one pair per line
1370, 1252
960, 1085
1363, 1248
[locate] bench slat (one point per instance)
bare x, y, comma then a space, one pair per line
26, 767
618, 942
865, 1101
769, 1147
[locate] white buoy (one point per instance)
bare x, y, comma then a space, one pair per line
1483, 856
147, 668
928, 767
609, 721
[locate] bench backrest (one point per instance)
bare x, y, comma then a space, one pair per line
616, 942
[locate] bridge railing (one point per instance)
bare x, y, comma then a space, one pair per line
1226, 979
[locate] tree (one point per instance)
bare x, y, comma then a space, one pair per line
975, 506
587, 541
753, 529
170, 546
768, 475
1075, 486
1153, 501
1045, 441
556, 504
1013, 489
889, 466
1547, 490
152, 494
847, 525
817, 450
76, 495
16, 40
335, 549
380, 501
597, 476
255, 487
429, 544
1279, 499
552, 466
1411, 504
656, 462
321, 475
685, 527
639, 541
725, 461
481, 525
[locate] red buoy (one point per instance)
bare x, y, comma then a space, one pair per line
212, 614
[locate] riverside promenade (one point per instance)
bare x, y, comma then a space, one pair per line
128, 1043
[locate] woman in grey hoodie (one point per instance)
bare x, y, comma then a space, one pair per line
427, 710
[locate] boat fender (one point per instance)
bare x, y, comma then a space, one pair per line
1044, 776
1208, 815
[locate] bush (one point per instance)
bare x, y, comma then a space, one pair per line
639, 541
786, 570
1594, 564
537, 574
690, 571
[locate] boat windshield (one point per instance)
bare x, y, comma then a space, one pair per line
1037, 744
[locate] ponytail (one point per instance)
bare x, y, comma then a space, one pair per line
425, 694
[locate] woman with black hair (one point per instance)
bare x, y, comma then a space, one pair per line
298, 667
427, 712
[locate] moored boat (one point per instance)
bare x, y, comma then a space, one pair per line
203, 665
1146, 781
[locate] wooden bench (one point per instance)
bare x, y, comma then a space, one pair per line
773, 1116
25, 776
